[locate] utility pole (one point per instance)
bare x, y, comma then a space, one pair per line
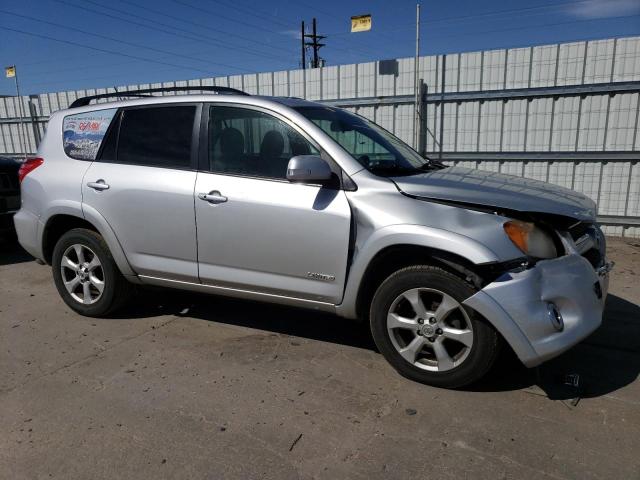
314, 43
304, 48
416, 83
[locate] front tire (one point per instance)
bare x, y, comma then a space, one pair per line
86, 276
420, 326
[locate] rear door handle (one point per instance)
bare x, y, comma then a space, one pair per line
98, 185
212, 197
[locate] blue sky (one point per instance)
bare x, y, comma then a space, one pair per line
118, 42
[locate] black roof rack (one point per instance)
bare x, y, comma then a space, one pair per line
145, 92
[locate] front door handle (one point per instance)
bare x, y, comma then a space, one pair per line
98, 185
213, 197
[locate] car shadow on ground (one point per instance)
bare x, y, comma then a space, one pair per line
603, 363
11, 252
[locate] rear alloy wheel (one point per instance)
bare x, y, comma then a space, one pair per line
82, 274
420, 325
86, 276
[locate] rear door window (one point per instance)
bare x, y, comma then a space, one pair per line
82, 133
156, 136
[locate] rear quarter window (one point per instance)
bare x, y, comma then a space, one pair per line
82, 133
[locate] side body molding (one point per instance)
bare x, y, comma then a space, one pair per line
404, 234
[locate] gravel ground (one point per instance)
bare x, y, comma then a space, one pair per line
190, 386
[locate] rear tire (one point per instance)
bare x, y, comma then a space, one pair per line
420, 326
86, 276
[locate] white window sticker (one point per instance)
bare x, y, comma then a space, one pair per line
83, 133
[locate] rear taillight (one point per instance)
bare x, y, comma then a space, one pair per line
29, 165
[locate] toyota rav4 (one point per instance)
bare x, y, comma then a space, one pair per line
289, 201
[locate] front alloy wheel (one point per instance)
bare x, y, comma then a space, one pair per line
430, 329
422, 328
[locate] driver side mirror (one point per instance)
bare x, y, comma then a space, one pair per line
308, 169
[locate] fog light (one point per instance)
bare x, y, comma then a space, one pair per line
555, 317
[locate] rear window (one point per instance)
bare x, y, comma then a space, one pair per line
157, 136
82, 133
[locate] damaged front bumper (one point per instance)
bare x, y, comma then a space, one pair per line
522, 306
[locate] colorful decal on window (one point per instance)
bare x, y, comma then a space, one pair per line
83, 133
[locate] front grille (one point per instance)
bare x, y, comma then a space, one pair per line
590, 242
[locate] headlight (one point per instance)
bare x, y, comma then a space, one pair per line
533, 241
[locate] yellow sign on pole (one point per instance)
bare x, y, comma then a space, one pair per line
361, 23
10, 71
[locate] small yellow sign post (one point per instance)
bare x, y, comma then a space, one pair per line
361, 23
11, 72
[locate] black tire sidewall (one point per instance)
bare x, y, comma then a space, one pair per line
486, 340
112, 276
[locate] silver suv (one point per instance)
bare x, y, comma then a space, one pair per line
289, 201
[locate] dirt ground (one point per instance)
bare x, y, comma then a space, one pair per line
190, 386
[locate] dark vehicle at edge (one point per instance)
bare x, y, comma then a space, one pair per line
9, 193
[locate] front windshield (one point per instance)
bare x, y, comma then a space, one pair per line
376, 149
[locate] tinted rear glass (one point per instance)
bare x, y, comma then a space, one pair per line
157, 136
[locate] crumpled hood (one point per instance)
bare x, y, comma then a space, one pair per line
490, 189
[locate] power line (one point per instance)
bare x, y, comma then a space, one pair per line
189, 37
124, 42
173, 17
103, 50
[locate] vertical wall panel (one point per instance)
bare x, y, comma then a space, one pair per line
348, 81
467, 138
622, 118
430, 72
296, 83
330, 82
613, 193
514, 123
366, 79
313, 83
281, 85
587, 179
599, 61
493, 70
490, 126
539, 125
570, 63
384, 117
404, 123
433, 128
634, 192
565, 124
592, 122
627, 61
265, 83
451, 73
561, 173
449, 128
470, 69
543, 69
536, 170
404, 80
518, 63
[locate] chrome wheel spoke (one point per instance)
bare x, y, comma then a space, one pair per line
79, 253
96, 282
71, 285
445, 362
410, 352
413, 297
67, 263
463, 336
447, 305
94, 263
396, 321
86, 293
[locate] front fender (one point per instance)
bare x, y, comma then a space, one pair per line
418, 235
